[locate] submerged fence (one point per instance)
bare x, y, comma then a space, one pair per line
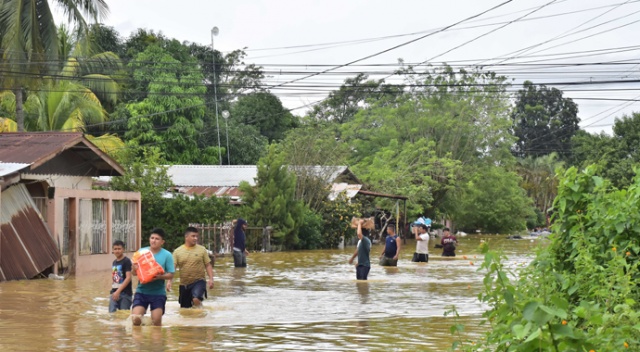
218, 238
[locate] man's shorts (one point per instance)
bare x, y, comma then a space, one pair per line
362, 272
386, 261
420, 257
197, 289
154, 301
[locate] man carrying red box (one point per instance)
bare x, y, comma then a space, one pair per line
153, 293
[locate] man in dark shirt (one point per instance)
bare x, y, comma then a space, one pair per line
239, 244
391, 251
362, 252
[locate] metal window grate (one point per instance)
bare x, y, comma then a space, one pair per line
123, 224
93, 226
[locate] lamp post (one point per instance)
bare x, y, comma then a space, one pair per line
214, 32
225, 115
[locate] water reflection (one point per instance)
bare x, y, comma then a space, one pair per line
238, 280
283, 301
363, 291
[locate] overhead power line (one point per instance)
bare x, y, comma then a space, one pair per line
396, 46
560, 36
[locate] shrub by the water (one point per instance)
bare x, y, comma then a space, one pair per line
580, 293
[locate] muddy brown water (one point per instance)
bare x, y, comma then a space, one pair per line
304, 300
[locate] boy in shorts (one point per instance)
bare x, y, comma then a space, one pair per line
153, 294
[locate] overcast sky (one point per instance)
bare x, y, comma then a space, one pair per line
579, 28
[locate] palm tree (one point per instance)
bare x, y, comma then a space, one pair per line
29, 41
63, 106
539, 179
72, 98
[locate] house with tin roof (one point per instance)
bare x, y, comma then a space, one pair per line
224, 181
50, 217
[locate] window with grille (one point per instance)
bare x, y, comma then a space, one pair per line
123, 223
93, 226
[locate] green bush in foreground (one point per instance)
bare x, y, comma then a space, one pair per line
580, 293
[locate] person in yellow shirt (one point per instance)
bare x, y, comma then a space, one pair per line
193, 261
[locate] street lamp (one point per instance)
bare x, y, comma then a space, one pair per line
225, 115
214, 32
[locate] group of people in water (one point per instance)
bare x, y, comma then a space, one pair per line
190, 258
421, 230
196, 269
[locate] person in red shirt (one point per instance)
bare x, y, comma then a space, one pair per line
448, 243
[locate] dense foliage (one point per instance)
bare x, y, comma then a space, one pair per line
580, 293
544, 121
271, 202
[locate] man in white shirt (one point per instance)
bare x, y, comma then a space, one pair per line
422, 243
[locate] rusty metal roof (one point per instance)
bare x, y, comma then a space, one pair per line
232, 192
64, 153
26, 246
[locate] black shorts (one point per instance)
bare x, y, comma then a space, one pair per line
196, 289
420, 257
362, 272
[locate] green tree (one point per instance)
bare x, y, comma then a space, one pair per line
539, 179
310, 231
74, 97
105, 38
353, 95
29, 42
172, 113
543, 121
580, 292
446, 119
246, 144
313, 145
265, 111
616, 155
272, 201
145, 173
233, 76
63, 106
413, 170
489, 194
336, 220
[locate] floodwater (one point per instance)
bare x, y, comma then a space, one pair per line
296, 301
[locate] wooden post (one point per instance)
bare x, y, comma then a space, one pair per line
266, 239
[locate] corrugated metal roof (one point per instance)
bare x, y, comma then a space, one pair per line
328, 173
26, 246
80, 157
212, 175
231, 176
10, 168
349, 190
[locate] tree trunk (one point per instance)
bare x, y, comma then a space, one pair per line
19, 110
